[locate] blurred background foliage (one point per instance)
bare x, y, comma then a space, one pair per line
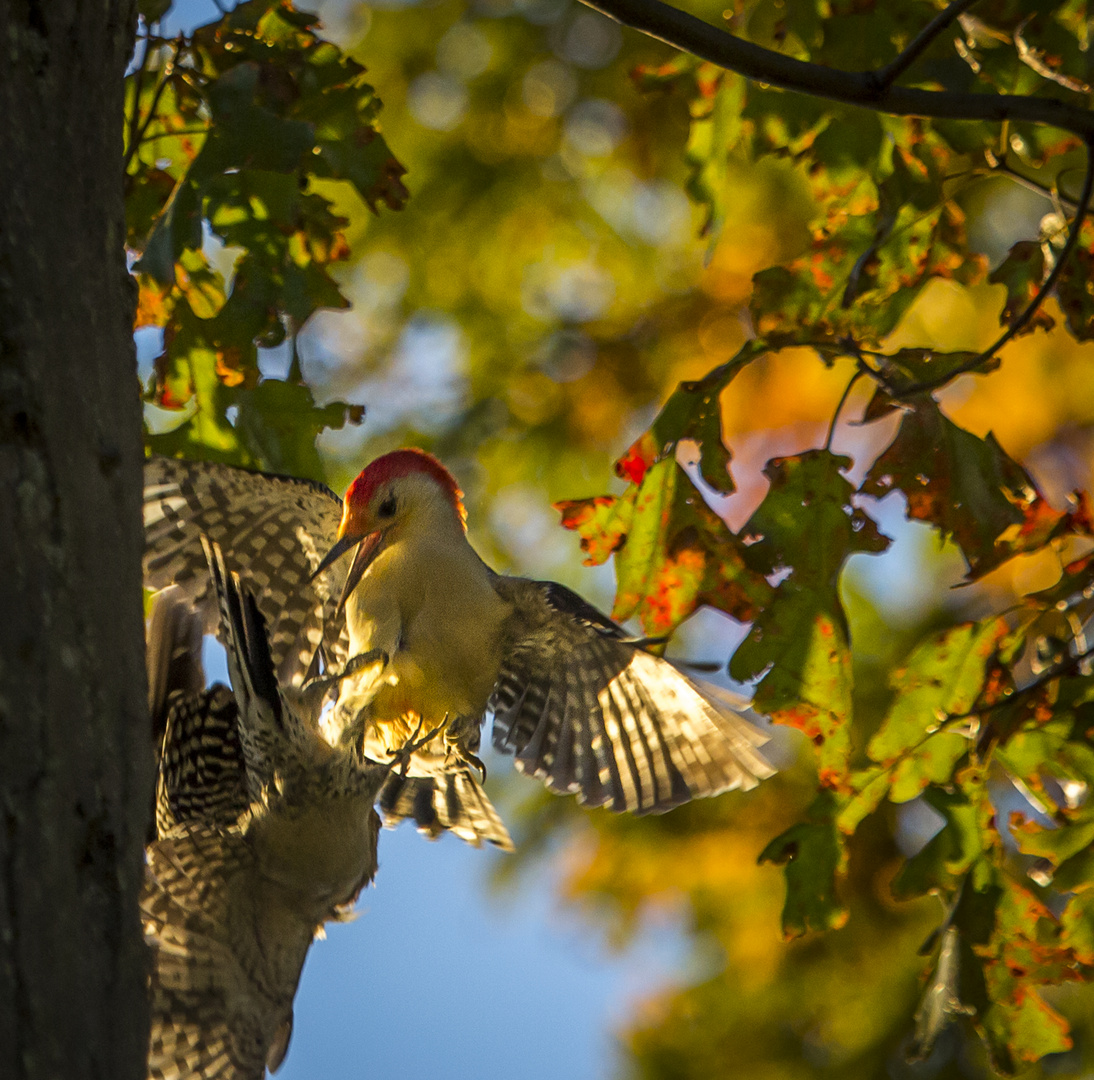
575, 243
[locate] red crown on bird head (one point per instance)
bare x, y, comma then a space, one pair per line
407, 462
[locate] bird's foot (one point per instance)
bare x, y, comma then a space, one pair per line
402, 755
314, 690
456, 740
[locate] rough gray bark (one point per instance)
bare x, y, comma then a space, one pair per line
75, 762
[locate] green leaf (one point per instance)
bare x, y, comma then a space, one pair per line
1077, 919
1075, 293
908, 369
807, 521
1021, 273
278, 423
692, 412
940, 863
153, 10
809, 684
807, 524
1021, 1025
944, 678
813, 856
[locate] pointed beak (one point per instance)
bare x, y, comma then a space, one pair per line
367, 548
340, 548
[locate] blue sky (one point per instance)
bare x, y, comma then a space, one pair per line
438, 977
441, 975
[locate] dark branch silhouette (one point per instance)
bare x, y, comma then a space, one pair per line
867, 89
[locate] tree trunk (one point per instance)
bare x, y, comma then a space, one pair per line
75, 762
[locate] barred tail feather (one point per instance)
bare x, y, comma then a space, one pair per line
172, 655
453, 802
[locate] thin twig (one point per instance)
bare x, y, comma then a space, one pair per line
168, 70
859, 372
1031, 308
686, 32
1004, 170
918, 45
180, 133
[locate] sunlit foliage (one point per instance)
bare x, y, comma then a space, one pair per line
613, 251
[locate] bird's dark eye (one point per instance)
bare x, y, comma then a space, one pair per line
387, 507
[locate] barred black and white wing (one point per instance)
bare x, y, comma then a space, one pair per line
201, 775
592, 714
275, 530
221, 983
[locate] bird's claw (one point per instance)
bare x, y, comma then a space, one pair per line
413, 744
318, 686
477, 762
355, 663
454, 744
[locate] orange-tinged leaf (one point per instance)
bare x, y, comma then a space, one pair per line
678, 555
639, 457
154, 303
602, 522
968, 488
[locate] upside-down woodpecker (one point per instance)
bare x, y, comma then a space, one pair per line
264, 832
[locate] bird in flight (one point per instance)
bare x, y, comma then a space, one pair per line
578, 702
264, 831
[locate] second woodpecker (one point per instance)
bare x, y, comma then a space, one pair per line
579, 703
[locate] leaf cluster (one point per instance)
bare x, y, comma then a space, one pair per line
231, 132
968, 709
524, 239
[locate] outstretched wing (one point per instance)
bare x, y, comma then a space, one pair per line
589, 712
275, 530
221, 985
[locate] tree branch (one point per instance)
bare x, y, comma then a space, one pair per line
865, 89
918, 45
859, 372
1030, 310
165, 78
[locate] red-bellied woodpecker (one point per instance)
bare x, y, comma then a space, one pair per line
579, 703
264, 832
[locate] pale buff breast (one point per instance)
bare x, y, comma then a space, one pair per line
320, 856
433, 609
